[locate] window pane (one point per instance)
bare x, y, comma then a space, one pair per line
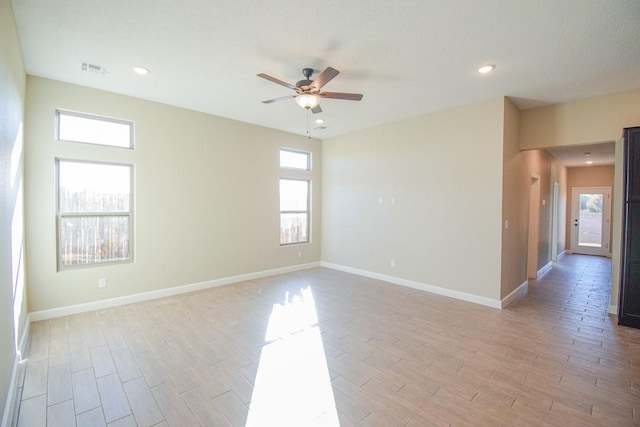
293, 228
294, 195
94, 130
94, 239
294, 159
93, 187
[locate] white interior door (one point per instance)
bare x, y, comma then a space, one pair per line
590, 220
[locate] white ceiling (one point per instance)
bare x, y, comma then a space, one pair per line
578, 155
407, 57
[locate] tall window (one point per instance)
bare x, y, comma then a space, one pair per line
294, 211
94, 212
294, 197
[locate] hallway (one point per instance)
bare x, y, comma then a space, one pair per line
566, 312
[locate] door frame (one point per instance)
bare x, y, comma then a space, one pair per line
605, 250
555, 205
534, 227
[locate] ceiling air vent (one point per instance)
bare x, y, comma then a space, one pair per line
94, 68
320, 127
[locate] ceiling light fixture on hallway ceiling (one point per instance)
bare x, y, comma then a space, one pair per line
588, 154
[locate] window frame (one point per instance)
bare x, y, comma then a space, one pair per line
60, 216
96, 117
307, 211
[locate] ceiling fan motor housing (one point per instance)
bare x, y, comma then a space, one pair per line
302, 83
306, 72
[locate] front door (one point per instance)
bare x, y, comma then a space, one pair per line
590, 220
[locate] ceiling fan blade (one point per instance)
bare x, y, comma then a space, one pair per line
341, 95
325, 77
316, 109
278, 81
282, 98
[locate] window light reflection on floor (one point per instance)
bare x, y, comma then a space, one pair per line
292, 386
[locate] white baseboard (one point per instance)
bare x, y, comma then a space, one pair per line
613, 309
544, 269
524, 286
417, 285
145, 296
561, 255
10, 404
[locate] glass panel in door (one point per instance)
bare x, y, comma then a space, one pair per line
590, 216
590, 220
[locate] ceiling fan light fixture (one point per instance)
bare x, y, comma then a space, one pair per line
307, 100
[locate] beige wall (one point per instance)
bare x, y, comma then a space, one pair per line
561, 178
13, 313
592, 176
206, 195
550, 170
590, 120
515, 198
444, 171
518, 167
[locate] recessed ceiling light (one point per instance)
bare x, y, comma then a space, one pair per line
141, 70
319, 121
589, 162
486, 68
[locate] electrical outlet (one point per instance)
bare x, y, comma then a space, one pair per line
299, 254
102, 283
392, 263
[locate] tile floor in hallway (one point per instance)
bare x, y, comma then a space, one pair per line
327, 348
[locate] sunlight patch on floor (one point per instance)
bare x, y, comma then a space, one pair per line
292, 386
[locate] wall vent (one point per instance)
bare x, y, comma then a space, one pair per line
94, 68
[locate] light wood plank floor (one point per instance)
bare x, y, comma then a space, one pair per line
322, 347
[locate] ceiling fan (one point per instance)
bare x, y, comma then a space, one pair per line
308, 93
